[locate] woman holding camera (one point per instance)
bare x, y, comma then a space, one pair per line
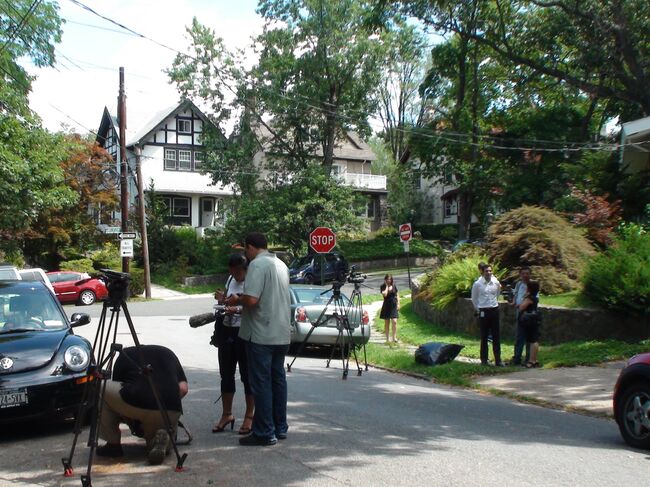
390, 307
232, 351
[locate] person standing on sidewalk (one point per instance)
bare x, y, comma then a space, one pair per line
485, 293
390, 307
519, 293
266, 329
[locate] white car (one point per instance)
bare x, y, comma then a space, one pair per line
9, 272
36, 274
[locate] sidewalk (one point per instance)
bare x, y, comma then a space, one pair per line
582, 389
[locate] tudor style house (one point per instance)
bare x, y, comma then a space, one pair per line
635, 146
172, 155
351, 167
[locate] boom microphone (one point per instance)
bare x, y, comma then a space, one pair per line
202, 319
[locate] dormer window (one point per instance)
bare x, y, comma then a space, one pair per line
184, 126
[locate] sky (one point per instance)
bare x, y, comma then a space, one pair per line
85, 79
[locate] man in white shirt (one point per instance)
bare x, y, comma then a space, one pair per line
485, 293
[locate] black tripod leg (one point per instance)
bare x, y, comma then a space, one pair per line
301, 347
154, 389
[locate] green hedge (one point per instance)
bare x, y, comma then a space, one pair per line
434, 231
619, 279
386, 248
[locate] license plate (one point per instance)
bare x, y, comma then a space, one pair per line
11, 399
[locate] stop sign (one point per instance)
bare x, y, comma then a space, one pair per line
405, 232
322, 240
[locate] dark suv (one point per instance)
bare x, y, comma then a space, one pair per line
307, 270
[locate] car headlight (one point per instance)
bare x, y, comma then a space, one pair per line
76, 358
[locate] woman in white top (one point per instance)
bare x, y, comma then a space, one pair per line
232, 351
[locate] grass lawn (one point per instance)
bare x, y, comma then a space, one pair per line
413, 330
573, 299
170, 283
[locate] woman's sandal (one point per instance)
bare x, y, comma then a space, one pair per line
532, 365
246, 431
219, 428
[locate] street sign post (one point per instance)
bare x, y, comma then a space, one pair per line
126, 247
322, 240
405, 234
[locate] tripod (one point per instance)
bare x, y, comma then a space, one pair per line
344, 338
104, 350
355, 307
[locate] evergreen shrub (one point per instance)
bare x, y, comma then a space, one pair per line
539, 238
619, 278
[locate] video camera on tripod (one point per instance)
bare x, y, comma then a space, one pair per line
117, 284
356, 277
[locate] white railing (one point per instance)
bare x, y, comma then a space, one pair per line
370, 181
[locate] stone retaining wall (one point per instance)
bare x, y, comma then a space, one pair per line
559, 324
216, 279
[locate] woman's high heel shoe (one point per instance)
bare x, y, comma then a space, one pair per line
221, 428
246, 431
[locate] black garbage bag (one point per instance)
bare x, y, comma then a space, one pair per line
436, 353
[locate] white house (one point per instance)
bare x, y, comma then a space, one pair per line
635, 145
172, 154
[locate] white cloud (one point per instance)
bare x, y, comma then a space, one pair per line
87, 81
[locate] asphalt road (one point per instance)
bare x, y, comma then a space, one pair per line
376, 429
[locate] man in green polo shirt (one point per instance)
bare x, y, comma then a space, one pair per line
266, 329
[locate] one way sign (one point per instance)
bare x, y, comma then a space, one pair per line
126, 235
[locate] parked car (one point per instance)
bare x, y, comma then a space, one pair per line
307, 305
77, 287
36, 274
43, 364
8, 271
632, 401
307, 270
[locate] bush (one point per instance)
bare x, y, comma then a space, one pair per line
619, 279
433, 231
449, 233
454, 279
136, 285
386, 248
537, 237
78, 265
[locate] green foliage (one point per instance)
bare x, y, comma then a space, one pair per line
619, 278
455, 278
78, 265
385, 248
288, 213
449, 232
537, 237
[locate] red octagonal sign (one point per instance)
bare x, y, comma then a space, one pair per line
322, 240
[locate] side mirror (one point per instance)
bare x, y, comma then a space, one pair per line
79, 319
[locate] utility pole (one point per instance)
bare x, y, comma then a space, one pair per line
143, 221
124, 181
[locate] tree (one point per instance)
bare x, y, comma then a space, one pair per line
600, 48
31, 180
84, 164
402, 105
287, 213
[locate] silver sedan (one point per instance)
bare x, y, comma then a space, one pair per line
313, 305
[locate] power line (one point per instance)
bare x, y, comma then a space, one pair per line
447, 136
21, 24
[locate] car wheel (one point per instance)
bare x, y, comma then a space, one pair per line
309, 279
633, 415
87, 297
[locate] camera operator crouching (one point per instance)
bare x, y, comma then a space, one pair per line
232, 350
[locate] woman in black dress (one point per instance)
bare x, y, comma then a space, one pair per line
390, 308
529, 319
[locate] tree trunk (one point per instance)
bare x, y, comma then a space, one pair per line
330, 131
465, 204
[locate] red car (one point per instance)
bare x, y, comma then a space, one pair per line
77, 287
632, 401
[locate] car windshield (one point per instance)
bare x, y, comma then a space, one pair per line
314, 296
302, 261
29, 308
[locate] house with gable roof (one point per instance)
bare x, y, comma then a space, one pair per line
172, 157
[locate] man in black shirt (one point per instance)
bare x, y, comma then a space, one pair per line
129, 398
